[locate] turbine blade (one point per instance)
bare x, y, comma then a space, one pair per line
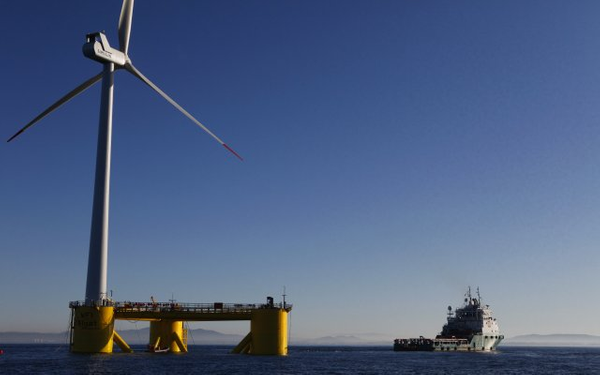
130, 68
125, 25
76, 91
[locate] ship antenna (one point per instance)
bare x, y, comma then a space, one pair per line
478, 296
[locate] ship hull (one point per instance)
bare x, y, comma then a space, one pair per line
482, 342
414, 345
477, 343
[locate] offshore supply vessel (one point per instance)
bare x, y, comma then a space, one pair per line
469, 328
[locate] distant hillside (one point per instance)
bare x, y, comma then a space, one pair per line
33, 338
344, 340
553, 340
133, 337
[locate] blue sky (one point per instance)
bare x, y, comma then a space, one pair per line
395, 153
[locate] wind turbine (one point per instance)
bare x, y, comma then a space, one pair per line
97, 48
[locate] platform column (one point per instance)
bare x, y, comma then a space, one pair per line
269, 331
92, 329
168, 333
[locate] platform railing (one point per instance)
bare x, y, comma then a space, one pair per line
215, 307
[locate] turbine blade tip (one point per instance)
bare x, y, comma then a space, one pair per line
233, 152
14, 136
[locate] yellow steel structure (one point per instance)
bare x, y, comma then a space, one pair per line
268, 328
92, 328
245, 346
121, 343
168, 334
268, 333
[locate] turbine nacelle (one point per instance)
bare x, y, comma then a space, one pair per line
97, 48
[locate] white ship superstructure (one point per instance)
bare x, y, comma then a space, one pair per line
469, 328
474, 322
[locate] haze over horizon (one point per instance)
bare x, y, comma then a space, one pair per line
396, 152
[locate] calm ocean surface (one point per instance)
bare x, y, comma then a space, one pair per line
55, 359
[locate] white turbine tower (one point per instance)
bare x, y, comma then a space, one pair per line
97, 48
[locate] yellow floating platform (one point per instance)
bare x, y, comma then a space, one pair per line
92, 327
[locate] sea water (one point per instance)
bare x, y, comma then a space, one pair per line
56, 359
